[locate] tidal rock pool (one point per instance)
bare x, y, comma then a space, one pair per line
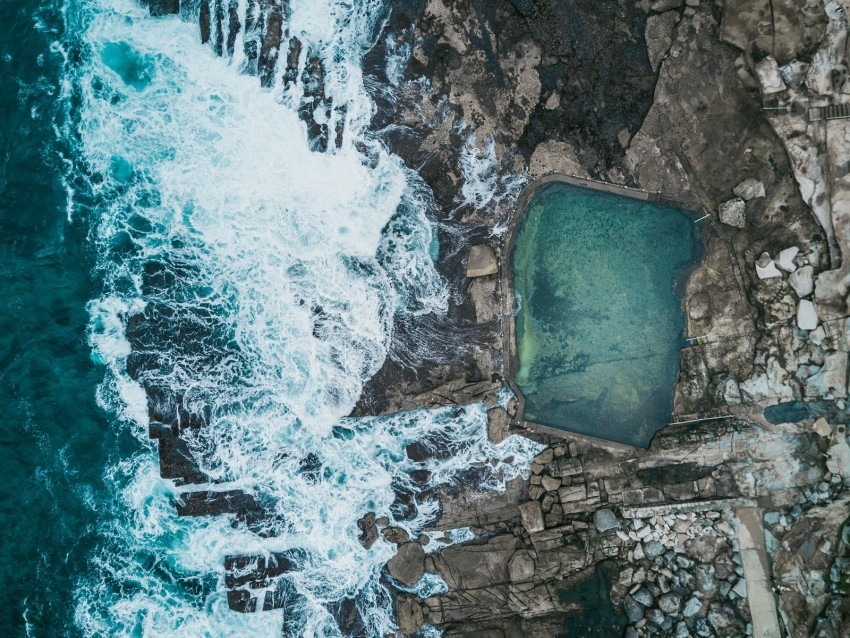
599, 323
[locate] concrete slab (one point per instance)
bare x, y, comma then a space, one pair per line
756, 573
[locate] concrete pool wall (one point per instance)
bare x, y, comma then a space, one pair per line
509, 301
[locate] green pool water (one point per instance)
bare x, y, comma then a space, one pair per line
599, 324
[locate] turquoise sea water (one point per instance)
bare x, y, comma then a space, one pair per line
54, 440
599, 326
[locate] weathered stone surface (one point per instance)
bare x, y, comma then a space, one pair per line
532, 516
605, 520
498, 423
831, 380
802, 281
481, 262
749, 189
395, 535
565, 466
765, 268
767, 72
785, 260
572, 493
659, 36
408, 565
807, 315
733, 212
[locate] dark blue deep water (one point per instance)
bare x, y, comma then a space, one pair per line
54, 440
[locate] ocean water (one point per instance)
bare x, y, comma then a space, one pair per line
126, 143
600, 325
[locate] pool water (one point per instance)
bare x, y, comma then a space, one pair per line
599, 324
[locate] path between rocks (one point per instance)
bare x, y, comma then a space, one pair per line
754, 559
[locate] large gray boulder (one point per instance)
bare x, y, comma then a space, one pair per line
408, 565
733, 212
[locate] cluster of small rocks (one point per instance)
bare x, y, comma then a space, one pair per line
557, 487
684, 577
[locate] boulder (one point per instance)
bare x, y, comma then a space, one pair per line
498, 423
669, 604
566, 466
532, 516
521, 567
765, 268
786, 259
749, 189
368, 530
692, 607
831, 380
409, 614
572, 493
605, 520
481, 262
633, 609
733, 212
550, 483
395, 535
802, 281
767, 72
807, 315
408, 565
822, 427
644, 597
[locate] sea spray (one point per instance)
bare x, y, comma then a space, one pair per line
271, 275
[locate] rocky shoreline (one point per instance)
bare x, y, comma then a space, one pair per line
716, 120
730, 524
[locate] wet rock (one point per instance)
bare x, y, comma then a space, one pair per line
395, 535
409, 614
802, 281
749, 189
163, 7
807, 315
481, 262
765, 268
644, 597
368, 530
633, 609
605, 520
498, 423
408, 565
733, 212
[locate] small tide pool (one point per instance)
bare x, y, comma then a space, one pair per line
599, 323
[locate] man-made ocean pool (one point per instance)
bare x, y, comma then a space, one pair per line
599, 324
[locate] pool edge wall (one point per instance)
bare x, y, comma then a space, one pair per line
509, 347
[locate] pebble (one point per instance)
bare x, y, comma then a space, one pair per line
692, 607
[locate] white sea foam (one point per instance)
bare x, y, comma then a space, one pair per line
296, 263
484, 185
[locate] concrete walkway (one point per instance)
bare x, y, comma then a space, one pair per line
756, 572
